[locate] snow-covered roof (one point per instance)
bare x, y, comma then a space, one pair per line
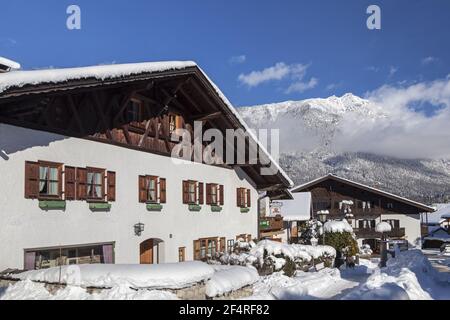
9, 63
419, 205
437, 217
19, 79
298, 209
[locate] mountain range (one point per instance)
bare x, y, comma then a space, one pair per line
314, 141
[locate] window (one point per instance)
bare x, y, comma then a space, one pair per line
230, 246
192, 192
366, 224
49, 179
95, 183
208, 247
134, 111
214, 194
44, 180
389, 205
175, 122
243, 197
152, 189
321, 205
395, 224
181, 254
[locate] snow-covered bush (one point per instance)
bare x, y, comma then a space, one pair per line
365, 250
312, 229
339, 235
270, 256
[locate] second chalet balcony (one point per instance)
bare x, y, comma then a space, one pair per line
371, 233
271, 223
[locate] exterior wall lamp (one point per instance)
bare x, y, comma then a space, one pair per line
138, 229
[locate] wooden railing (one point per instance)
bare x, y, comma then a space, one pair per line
271, 223
371, 233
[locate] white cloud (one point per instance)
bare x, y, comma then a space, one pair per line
373, 68
277, 72
300, 86
392, 70
429, 60
402, 132
238, 59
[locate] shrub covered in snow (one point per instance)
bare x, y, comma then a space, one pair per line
270, 256
365, 250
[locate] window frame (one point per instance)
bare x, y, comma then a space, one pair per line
130, 110
181, 254
59, 168
194, 192
102, 172
148, 180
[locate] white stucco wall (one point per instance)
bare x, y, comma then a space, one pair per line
23, 225
411, 223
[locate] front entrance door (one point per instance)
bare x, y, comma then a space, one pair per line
147, 252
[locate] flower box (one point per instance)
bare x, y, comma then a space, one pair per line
99, 206
245, 210
216, 208
195, 207
154, 207
52, 204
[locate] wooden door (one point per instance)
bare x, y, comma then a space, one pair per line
147, 252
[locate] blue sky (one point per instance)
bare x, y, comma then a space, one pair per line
315, 48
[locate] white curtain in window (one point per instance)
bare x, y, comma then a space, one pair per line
43, 178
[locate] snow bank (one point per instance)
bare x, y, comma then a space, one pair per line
383, 227
165, 276
337, 226
29, 290
408, 276
230, 279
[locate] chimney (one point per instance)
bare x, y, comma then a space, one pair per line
7, 65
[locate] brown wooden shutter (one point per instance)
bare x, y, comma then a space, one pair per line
196, 249
142, 189
249, 237
238, 197
31, 180
185, 192
208, 193
81, 183
69, 183
111, 190
221, 193
200, 193
249, 200
223, 243
162, 190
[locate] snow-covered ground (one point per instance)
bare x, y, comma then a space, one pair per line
410, 275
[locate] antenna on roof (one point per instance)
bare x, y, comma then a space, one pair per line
7, 65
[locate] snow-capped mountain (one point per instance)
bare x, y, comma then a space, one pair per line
315, 140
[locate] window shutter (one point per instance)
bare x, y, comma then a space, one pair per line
222, 244
31, 180
200, 193
111, 191
162, 190
185, 192
208, 193
81, 183
221, 192
196, 249
396, 224
361, 224
142, 189
238, 197
69, 183
249, 200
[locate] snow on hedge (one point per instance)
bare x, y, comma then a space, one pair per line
383, 227
160, 276
230, 278
29, 290
293, 251
337, 226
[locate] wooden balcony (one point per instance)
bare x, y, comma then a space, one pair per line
271, 223
371, 233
